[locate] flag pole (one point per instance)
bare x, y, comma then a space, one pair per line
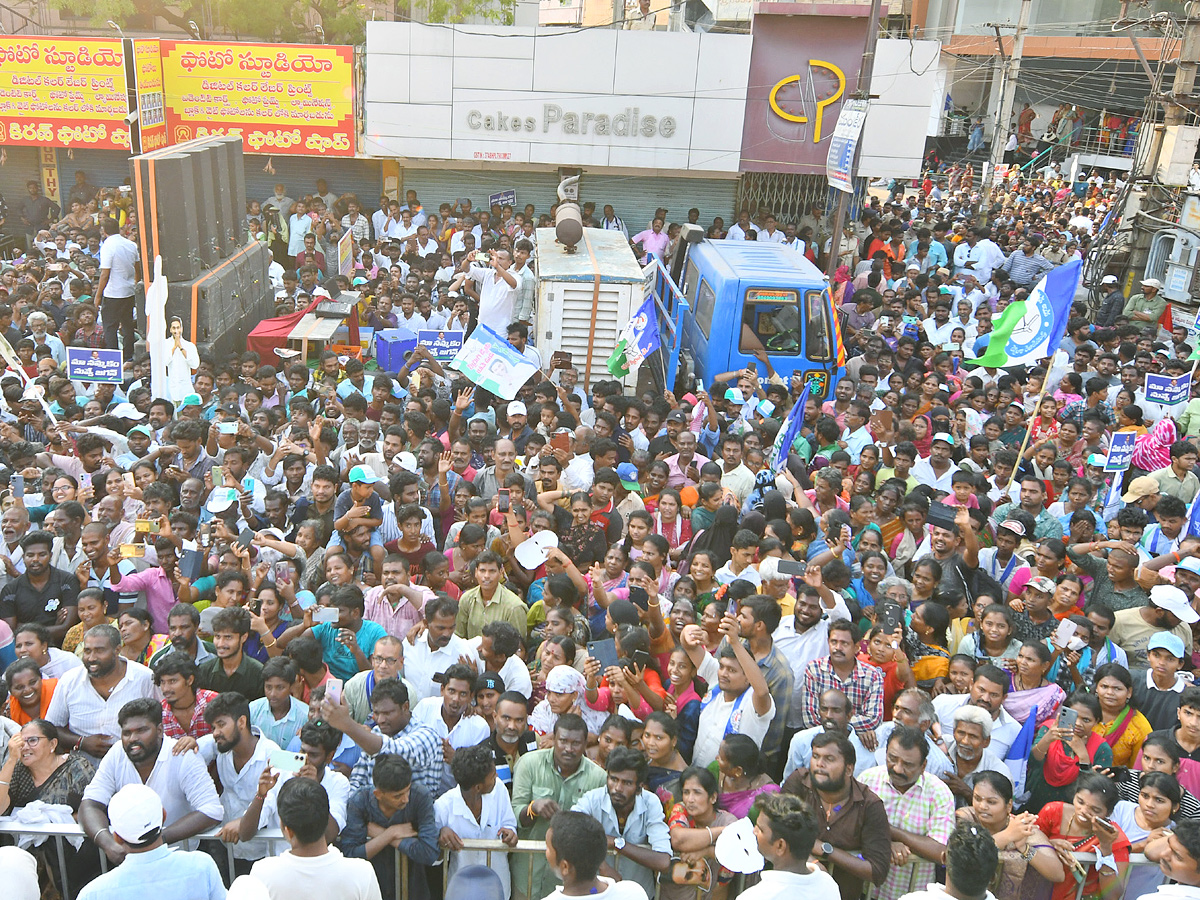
1028, 431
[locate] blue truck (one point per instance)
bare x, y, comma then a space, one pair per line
724, 303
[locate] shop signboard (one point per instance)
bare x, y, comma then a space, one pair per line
282, 99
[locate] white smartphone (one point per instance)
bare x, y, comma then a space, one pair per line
287, 761
1064, 632
326, 614
333, 691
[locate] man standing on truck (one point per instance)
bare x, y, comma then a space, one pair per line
497, 288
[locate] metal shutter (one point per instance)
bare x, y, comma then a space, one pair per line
104, 168
437, 186
635, 197
20, 165
300, 173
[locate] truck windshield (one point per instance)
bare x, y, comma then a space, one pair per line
772, 321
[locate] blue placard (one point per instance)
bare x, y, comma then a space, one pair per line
504, 198
86, 364
1168, 390
1120, 451
443, 345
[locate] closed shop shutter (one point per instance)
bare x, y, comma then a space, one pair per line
104, 168
635, 197
437, 186
20, 166
299, 174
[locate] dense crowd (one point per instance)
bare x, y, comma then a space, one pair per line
389, 613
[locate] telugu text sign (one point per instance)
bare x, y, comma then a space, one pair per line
443, 345
1120, 452
286, 99
1168, 390
86, 364
63, 92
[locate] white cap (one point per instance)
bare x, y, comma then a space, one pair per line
220, 500
1152, 283
517, 408
1109, 279
1174, 601
406, 461
532, 553
134, 812
127, 411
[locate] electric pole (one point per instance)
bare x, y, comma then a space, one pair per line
1185, 74
862, 91
1008, 93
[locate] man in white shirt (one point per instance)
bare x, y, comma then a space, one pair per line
299, 224
241, 754
118, 280
144, 756
786, 832
771, 233
804, 636
988, 690
318, 743
311, 868
437, 648
404, 229
452, 716
87, 701
497, 289
741, 229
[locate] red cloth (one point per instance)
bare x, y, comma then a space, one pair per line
270, 334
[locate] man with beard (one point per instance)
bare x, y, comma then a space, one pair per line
41, 594
395, 731
988, 690
144, 756
241, 754
804, 636
451, 716
511, 736
436, 648
969, 754
853, 839
386, 661
917, 799
183, 624
632, 818
319, 743
232, 669
86, 701
834, 709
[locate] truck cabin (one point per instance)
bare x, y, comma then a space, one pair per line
751, 300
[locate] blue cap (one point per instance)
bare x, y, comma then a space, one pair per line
628, 474
1169, 641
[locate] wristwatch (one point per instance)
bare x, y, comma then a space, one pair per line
826, 849
619, 844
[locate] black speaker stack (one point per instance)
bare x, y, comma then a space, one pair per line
191, 203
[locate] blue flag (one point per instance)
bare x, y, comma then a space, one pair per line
789, 432
1193, 524
1017, 758
638, 340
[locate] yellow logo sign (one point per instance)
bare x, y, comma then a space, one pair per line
821, 104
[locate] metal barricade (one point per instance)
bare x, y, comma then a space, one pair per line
61, 834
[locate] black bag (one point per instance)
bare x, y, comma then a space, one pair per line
978, 582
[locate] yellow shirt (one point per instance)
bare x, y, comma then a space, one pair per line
1128, 746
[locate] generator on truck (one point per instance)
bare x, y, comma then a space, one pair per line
722, 305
